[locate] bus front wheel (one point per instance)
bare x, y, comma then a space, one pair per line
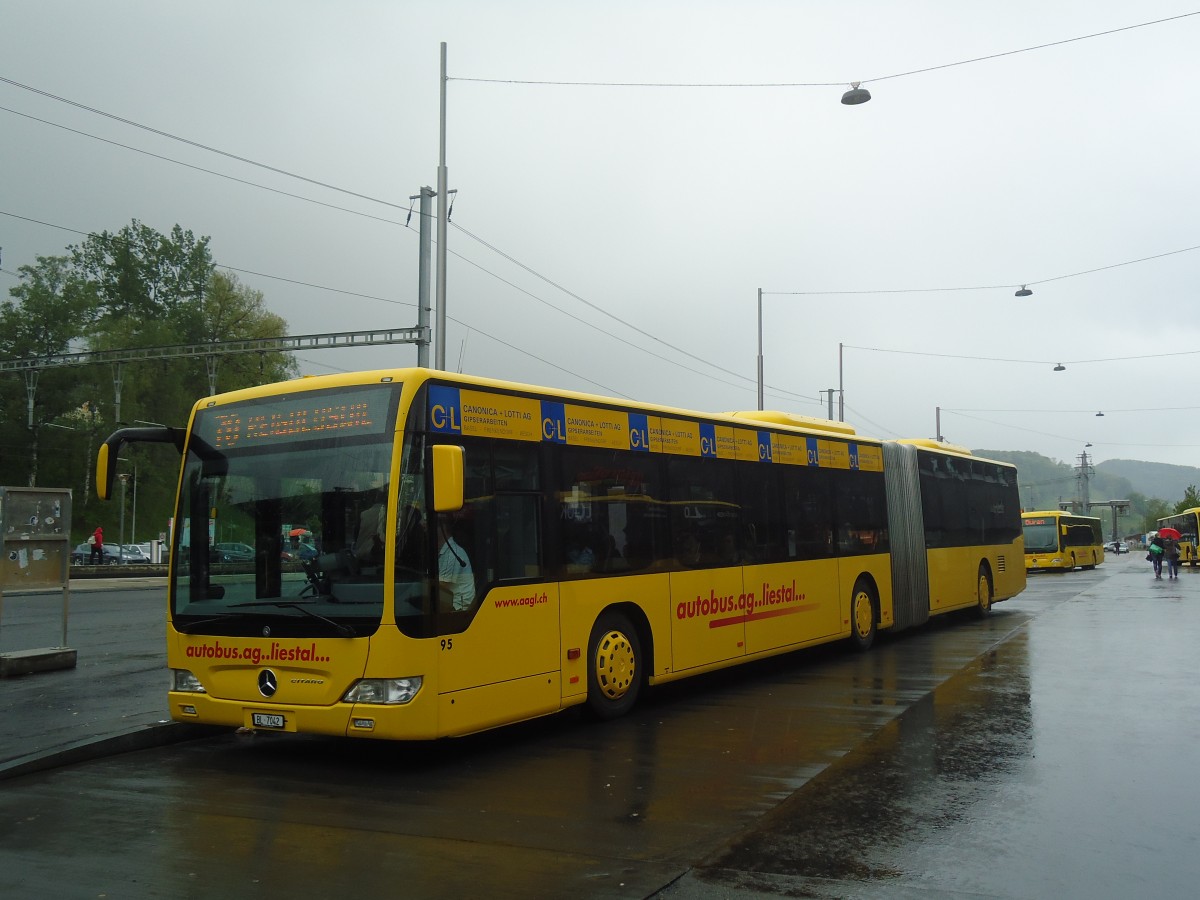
614, 666
863, 617
983, 596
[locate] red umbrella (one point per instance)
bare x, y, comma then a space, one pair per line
296, 532
1172, 533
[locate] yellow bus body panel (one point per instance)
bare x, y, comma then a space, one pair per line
582, 603
708, 617
793, 604
953, 575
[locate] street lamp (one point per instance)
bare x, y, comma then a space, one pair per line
133, 526
124, 476
856, 94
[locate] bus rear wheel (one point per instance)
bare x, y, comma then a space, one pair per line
983, 595
863, 615
614, 666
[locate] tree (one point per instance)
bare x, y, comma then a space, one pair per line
48, 312
1155, 510
233, 311
144, 278
1191, 499
132, 289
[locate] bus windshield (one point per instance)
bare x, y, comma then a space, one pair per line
1041, 537
283, 509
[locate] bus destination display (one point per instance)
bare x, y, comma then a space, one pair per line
301, 417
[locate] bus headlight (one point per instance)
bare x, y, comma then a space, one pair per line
183, 680
384, 690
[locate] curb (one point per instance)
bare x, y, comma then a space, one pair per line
88, 750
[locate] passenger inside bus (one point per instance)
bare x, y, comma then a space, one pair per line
456, 580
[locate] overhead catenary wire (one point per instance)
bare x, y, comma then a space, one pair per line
191, 143
704, 361
406, 224
707, 362
777, 392
1076, 440
1039, 362
807, 84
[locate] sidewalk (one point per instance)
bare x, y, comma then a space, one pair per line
116, 697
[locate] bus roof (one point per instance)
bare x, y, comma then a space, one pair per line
809, 423
418, 375
1056, 513
775, 418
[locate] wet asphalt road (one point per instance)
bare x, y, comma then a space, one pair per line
1047, 751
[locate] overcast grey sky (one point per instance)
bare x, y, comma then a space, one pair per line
669, 207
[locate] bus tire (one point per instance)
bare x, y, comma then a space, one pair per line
983, 592
614, 663
864, 615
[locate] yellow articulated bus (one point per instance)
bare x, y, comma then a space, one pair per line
1056, 540
1187, 523
487, 552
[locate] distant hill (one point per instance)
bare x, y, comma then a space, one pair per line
1162, 480
1045, 481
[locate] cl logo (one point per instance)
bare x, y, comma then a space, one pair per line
268, 684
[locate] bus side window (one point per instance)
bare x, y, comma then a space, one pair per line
502, 523
704, 504
518, 524
766, 531
808, 508
609, 515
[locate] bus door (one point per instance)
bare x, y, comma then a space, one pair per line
497, 618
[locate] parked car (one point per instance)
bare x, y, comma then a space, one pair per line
1116, 547
134, 554
82, 555
234, 551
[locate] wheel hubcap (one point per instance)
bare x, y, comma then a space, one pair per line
862, 613
615, 665
985, 595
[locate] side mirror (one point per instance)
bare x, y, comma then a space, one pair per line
448, 468
106, 458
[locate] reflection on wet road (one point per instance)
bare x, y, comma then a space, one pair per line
915, 767
1058, 765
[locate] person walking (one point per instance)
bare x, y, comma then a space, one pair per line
1171, 554
1156, 555
96, 547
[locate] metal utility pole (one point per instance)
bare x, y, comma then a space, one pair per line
830, 392
426, 196
1118, 507
760, 359
1085, 470
841, 388
439, 358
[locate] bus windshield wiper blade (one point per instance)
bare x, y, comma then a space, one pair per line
186, 628
339, 629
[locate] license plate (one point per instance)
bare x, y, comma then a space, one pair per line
266, 720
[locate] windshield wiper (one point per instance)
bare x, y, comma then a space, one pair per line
339, 629
186, 629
